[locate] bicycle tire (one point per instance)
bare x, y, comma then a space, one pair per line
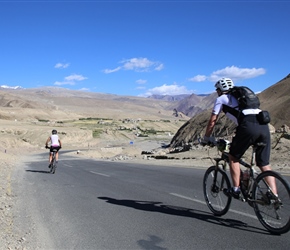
216, 200
53, 164
272, 212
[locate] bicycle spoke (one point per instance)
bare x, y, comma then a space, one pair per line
214, 183
272, 211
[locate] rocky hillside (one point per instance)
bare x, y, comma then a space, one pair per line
193, 104
275, 99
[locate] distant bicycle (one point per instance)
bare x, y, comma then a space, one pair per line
272, 211
53, 163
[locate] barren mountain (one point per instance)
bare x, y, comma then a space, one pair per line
59, 103
276, 99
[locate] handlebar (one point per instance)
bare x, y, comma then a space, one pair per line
221, 144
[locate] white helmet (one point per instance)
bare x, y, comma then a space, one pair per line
224, 84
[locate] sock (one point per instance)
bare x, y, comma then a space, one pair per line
236, 189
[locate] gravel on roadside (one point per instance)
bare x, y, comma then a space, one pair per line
9, 237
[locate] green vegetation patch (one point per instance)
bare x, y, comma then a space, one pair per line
97, 133
95, 119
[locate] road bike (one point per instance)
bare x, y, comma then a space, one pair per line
53, 162
273, 211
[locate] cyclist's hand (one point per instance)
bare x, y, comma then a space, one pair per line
46, 146
210, 141
204, 141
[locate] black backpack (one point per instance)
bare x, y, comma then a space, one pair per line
246, 98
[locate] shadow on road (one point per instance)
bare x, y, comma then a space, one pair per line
152, 206
38, 171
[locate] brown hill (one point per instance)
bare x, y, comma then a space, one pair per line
59, 103
276, 99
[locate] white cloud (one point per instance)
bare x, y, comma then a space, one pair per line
159, 67
71, 80
61, 65
141, 81
233, 72
75, 77
136, 63
236, 73
198, 78
140, 87
64, 83
140, 64
108, 71
173, 89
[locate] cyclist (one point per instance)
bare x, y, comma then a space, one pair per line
54, 143
248, 131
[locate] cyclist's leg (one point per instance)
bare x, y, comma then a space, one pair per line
50, 156
245, 134
234, 170
56, 155
270, 180
263, 156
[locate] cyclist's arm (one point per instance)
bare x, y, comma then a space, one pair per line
217, 108
59, 142
47, 141
211, 123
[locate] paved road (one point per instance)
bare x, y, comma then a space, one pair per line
92, 204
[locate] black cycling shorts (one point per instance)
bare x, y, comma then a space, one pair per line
248, 133
52, 148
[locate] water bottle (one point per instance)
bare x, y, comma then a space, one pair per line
246, 177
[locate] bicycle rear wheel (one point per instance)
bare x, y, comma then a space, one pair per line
214, 182
273, 212
53, 164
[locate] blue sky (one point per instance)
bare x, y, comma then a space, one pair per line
140, 48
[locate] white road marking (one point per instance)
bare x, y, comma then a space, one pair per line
99, 174
67, 165
202, 202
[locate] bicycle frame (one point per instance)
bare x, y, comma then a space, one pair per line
271, 208
246, 190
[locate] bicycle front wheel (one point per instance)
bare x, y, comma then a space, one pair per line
273, 212
214, 182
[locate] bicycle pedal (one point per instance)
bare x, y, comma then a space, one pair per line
242, 199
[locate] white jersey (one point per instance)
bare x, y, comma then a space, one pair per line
231, 101
225, 99
54, 140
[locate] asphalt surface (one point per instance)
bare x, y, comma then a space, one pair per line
89, 204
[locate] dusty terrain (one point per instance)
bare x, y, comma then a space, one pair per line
107, 128
18, 142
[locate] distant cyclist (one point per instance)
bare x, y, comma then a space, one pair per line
248, 132
55, 143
